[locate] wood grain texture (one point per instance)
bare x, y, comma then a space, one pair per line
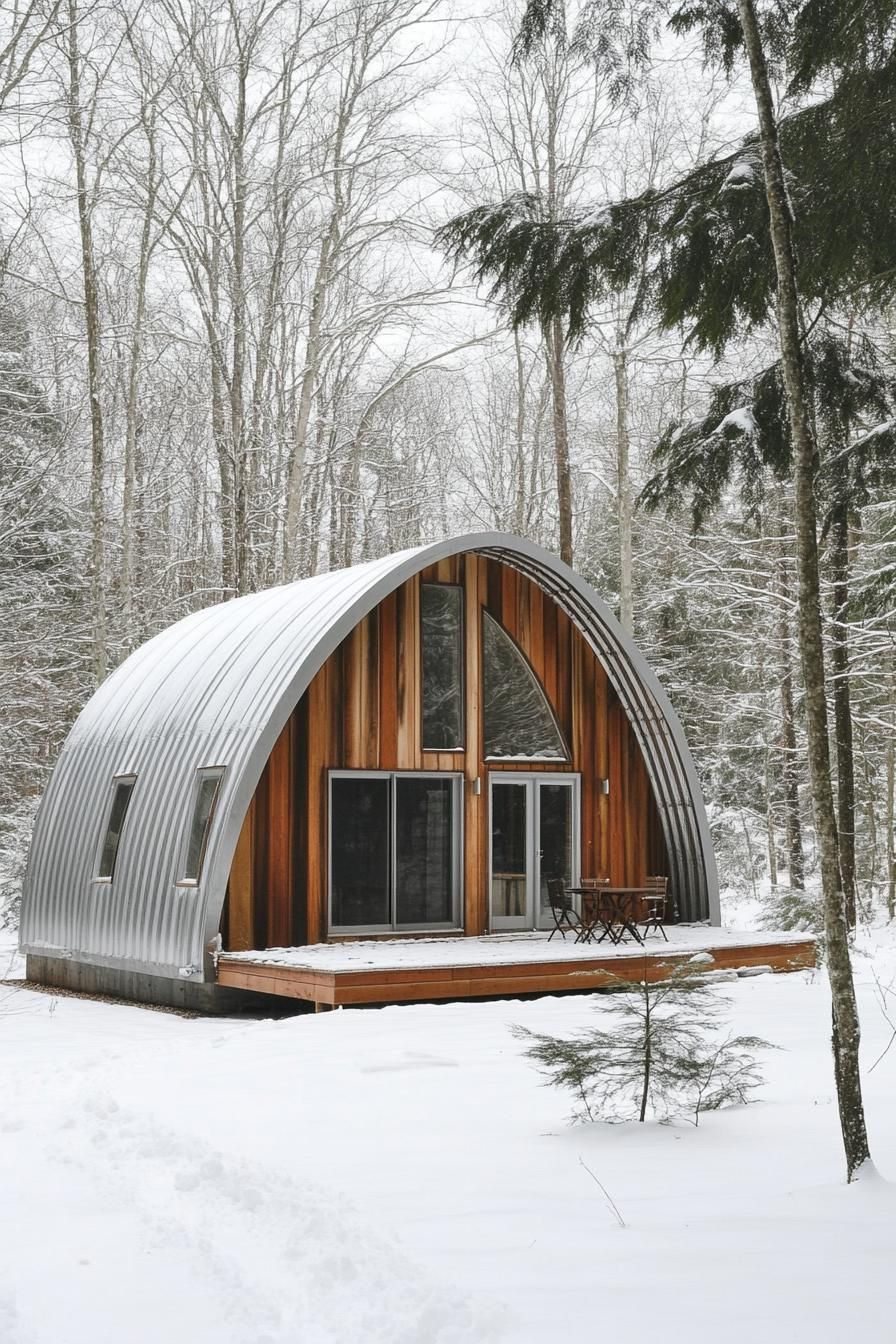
387, 646
421, 984
281, 812
363, 711
475, 805
240, 917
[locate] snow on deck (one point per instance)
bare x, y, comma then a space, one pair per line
504, 949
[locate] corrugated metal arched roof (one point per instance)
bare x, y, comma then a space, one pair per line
216, 690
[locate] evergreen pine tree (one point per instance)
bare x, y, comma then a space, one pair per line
660, 1051
843, 149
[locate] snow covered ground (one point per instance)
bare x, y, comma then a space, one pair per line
401, 1175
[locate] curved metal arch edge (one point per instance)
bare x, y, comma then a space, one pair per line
667, 757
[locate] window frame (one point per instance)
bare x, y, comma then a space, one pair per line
117, 780
203, 772
455, 924
462, 643
534, 781
565, 759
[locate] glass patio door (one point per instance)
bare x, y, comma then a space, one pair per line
556, 841
511, 853
533, 837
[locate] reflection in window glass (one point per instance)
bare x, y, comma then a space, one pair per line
442, 660
393, 851
121, 796
555, 835
359, 830
509, 847
203, 806
517, 719
424, 850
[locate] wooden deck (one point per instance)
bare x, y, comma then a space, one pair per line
425, 970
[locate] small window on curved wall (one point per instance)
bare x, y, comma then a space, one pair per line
442, 632
122, 788
205, 795
518, 723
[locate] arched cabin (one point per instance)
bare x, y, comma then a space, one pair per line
408, 747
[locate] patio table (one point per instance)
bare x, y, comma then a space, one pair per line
614, 910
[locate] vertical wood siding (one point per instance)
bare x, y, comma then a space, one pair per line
363, 711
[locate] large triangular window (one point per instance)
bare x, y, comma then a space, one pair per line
518, 722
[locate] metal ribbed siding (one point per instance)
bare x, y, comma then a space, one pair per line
217, 689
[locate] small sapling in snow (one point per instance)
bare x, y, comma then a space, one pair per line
659, 1051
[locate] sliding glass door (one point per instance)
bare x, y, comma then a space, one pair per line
534, 836
425, 868
360, 881
394, 852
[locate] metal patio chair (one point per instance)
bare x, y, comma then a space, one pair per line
588, 890
655, 905
562, 909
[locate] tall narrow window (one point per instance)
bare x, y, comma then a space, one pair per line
204, 798
518, 723
441, 629
359, 847
424, 850
121, 796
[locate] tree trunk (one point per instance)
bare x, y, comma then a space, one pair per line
133, 391
846, 1030
648, 1052
554, 345
223, 449
267, 386
327, 258
241, 505
891, 803
623, 487
94, 350
846, 786
306, 397
751, 861
310, 548
333, 543
771, 810
790, 772
771, 838
519, 506
553, 337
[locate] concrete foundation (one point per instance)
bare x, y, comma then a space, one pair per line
83, 978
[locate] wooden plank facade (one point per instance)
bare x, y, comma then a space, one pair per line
363, 711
